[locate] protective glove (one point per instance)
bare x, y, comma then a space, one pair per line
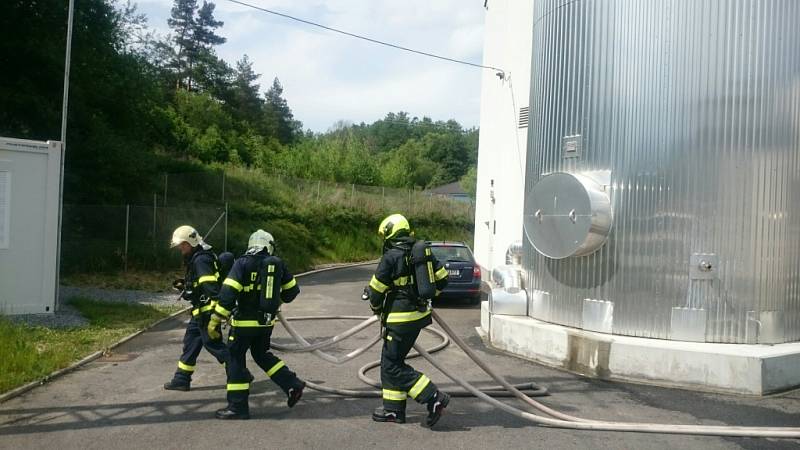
187, 294
365, 294
178, 284
214, 327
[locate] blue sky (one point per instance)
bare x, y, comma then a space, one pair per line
329, 77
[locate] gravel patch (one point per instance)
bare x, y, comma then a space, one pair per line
120, 295
69, 317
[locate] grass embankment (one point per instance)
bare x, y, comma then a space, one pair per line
312, 223
30, 353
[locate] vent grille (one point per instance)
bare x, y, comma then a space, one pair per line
523, 117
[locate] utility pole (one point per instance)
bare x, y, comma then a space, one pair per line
64, 109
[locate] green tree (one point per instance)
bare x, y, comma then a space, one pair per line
110, 132
194, 38
470, 181
245, 99
212, 73
203, 34
408, 166
182, 23
278, 120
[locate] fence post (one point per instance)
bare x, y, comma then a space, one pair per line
155, 210
223, 185
383, 197
352, 192
319, 187
226, 226
166, 176
127, 226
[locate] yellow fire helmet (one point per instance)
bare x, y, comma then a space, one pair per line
394, 226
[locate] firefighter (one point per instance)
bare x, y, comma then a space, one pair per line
200, 286
393, 295
256, 286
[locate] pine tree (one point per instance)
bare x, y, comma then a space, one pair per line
204, 26
246, 101
182, 22
278, 120
194, 39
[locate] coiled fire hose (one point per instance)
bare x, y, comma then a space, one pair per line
495, 391
556, 419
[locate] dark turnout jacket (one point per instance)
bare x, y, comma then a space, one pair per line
393, 284
253, 299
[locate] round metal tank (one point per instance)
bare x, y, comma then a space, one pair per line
685, 117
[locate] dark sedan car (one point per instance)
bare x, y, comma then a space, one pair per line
464, 274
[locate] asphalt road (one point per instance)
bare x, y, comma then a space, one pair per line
118, 402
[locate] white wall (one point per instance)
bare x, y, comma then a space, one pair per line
30, 202
502, 147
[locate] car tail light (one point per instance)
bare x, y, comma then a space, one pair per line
476, 272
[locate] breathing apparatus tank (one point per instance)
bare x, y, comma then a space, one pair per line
422, 262
271, 273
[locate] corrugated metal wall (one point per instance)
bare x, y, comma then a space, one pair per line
694, 107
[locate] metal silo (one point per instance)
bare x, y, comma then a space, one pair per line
662, 196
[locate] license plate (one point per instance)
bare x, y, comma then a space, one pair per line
454, 272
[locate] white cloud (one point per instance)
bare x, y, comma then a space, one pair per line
327, 76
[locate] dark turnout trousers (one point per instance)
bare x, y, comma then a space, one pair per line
195, 338
257, 341
398, 379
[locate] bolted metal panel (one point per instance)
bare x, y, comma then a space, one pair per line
693, 108
598, 315
571, 216
688, 324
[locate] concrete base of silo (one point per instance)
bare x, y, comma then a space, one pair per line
730, 368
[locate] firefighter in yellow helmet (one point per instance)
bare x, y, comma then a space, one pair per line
200, 287
394, 295
251, 296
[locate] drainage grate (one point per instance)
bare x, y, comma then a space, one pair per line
119, 357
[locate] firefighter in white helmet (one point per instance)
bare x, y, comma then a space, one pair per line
200, 286
250, 298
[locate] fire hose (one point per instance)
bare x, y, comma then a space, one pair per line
556, 419
304, 346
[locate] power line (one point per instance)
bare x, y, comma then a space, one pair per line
365, 38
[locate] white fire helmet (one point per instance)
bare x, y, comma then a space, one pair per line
259, 241
185, 233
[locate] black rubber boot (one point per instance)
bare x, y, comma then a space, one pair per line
295, 394
436, 407
176, 386
382, 415
229, 414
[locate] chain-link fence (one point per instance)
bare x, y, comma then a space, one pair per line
122, 237
110, 238
226, 187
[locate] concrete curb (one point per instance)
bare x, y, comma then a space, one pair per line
16, 392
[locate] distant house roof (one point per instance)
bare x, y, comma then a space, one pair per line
448, 189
